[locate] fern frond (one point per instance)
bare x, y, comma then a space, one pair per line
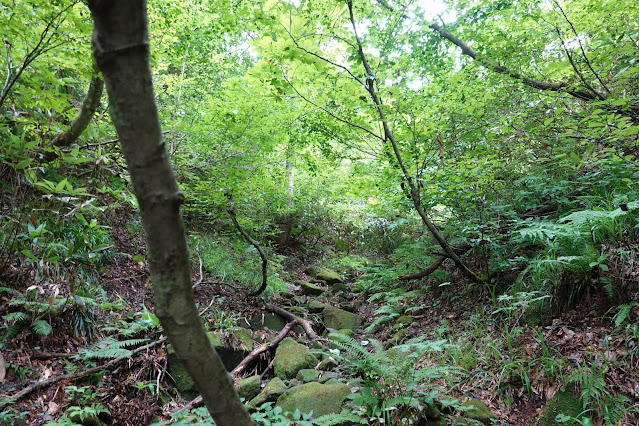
109, 348
15, 317
41, 328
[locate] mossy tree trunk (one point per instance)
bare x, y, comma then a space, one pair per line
121, 48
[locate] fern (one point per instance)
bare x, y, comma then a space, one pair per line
41, 328
15, 317
624, 312
345, 417
109, 348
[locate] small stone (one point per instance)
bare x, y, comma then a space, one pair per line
327, 364
328, 375
270, 393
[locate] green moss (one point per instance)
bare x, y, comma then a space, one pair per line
248, 388
271, 391
477, 410
315, 397
329, 276
291, 357
338, 319
566, 402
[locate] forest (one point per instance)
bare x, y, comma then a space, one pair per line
319, 212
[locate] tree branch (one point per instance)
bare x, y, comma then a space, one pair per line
250, 240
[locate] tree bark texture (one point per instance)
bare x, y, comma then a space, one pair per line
121, 48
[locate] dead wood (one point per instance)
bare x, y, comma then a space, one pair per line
290, 317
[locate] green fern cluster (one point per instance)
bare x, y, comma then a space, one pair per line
109, 348
394, 379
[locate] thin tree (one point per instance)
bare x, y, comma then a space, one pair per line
121, 49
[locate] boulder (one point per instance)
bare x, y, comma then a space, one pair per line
315, 397
291, 357
248, 388
270, 393
338, 319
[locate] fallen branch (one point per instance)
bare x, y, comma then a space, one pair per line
72, 376
246, 361
264, 348
290, 317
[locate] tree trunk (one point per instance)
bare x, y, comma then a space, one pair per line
121, 48
89, 106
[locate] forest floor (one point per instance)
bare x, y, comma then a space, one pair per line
513, 368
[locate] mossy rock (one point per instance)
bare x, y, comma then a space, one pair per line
270, 393
565, 402
404, 320
310, 289
312, 271
183, 382
291, 357
477, 410
327, 364
539, 313
248, 388
306, 375
230, 356
338, 319
397, 338
91, 420
330, 276
270, 321
245, 338
422, 414
315, 307
286, 294
328, 375
340, 287
319, 398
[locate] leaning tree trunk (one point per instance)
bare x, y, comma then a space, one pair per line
121, 48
